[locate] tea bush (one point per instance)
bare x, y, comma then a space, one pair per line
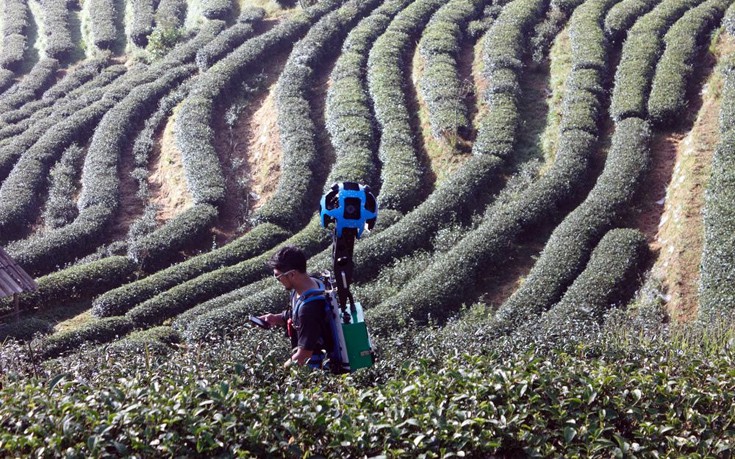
649, 402
103, 15
41, 76
402, 175
218, 9
193, 133
99, 197
142, 22
24, 329
20, 190
303, 168
170, 14
80, 282
59, 43
223, 44
45, 119
99, 331
642, 48
716, 292
61, 209
6, 78
349, 113
439, 82
675, 67
504, 48
572, 241
252, 244
14, 33
160, 248
82, 77
609, 279
186, 295
624, 14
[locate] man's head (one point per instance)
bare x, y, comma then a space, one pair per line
287, 261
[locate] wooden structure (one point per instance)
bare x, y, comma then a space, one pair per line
13, 280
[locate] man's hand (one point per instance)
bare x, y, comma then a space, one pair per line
273, 319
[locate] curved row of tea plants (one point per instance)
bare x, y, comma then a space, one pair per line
224, 43
80, 282
38, 80
250, 245
716, 292
676, 66
610, 278
103, 23
504, 48
641, 50
623, 15
59, 43
142, 22
39, 124
403, 176
100, 181
485, 247
303, 162
193, 133
61, 208
349, 114
16, 16
440, 83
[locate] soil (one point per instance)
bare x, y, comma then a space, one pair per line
167, 182
236, 150
670, 208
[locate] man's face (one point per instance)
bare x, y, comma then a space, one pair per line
284, 277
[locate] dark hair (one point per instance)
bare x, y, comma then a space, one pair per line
288, 258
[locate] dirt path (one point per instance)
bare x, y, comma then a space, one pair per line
168, 189
670, 213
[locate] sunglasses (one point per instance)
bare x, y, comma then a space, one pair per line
279, 276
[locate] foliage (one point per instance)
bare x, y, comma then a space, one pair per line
649, 401
104, 22
622, 16
253, 243
59, 43
641, 50
223, 44
716, 292
402, 175
14, 33
142, 22
61, 209
349, 113
439, 83
218, 9
303, 168
676, 66
80, 282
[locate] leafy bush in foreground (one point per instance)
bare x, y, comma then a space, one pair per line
651, 402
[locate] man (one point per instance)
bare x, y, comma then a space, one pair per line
306, 319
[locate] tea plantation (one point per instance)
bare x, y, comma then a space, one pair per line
551, 273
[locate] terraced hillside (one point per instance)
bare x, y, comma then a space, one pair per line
545, 159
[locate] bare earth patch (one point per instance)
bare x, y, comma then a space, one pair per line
264, 160
167, 181
672, 206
